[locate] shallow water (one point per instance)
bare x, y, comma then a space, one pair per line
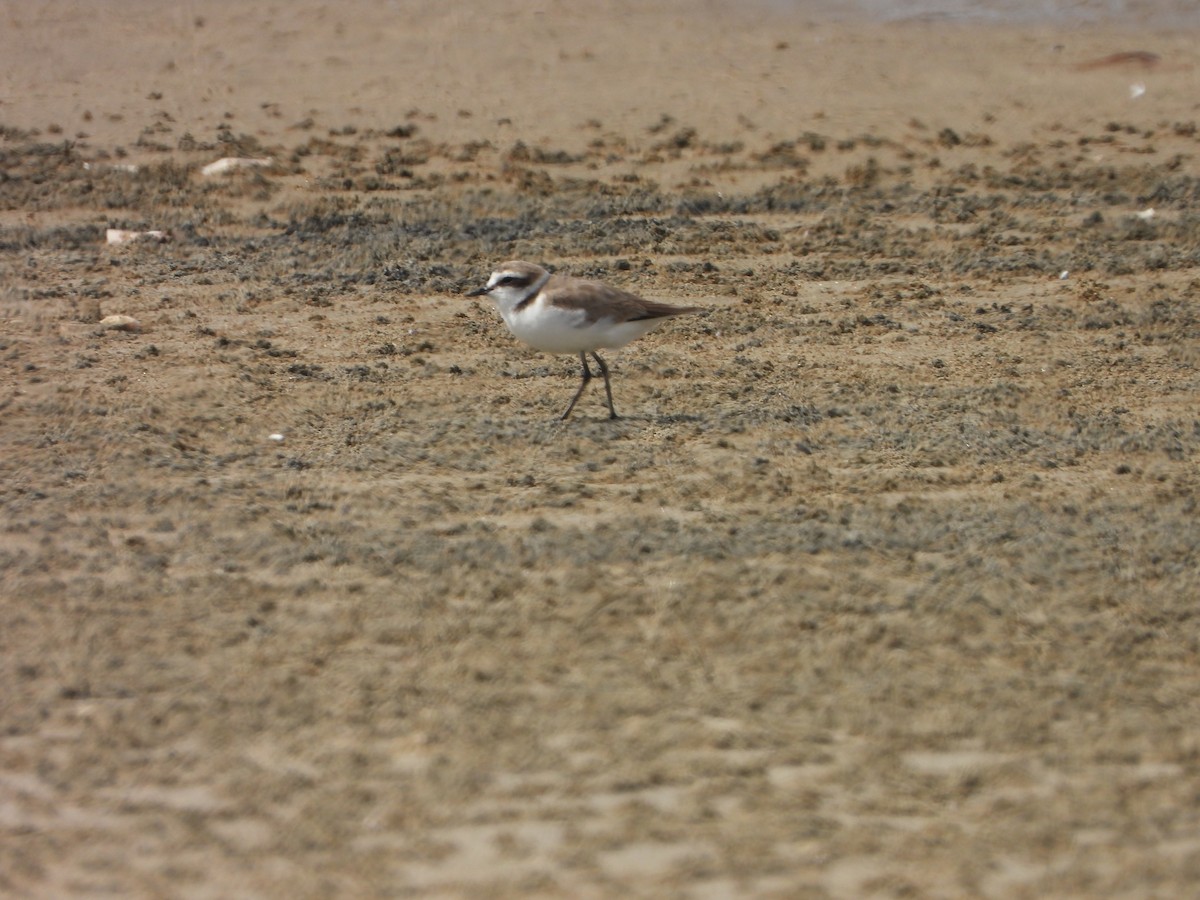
1154, 13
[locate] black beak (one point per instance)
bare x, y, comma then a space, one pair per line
477, 292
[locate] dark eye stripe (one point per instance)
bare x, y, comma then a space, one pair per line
514, 280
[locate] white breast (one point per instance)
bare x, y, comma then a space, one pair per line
556, 330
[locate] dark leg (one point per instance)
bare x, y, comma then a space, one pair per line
587, 376
607, 387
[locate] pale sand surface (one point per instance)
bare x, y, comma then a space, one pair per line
884, 586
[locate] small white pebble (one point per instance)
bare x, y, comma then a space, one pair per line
121, 236
1062, 276
275, 437
121, 323
229, 163
1146, 214
1136, 90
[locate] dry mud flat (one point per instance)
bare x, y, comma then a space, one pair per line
885, 585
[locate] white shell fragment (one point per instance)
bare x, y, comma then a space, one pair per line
120, 323
121, 236
1136, 90
1146, 214
275, 437
229, 163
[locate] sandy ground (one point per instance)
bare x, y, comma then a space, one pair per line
885, 585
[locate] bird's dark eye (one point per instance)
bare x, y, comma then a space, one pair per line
509, 280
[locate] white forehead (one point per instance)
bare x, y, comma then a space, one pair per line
501, 274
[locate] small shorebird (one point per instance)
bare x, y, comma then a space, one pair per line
558, 314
